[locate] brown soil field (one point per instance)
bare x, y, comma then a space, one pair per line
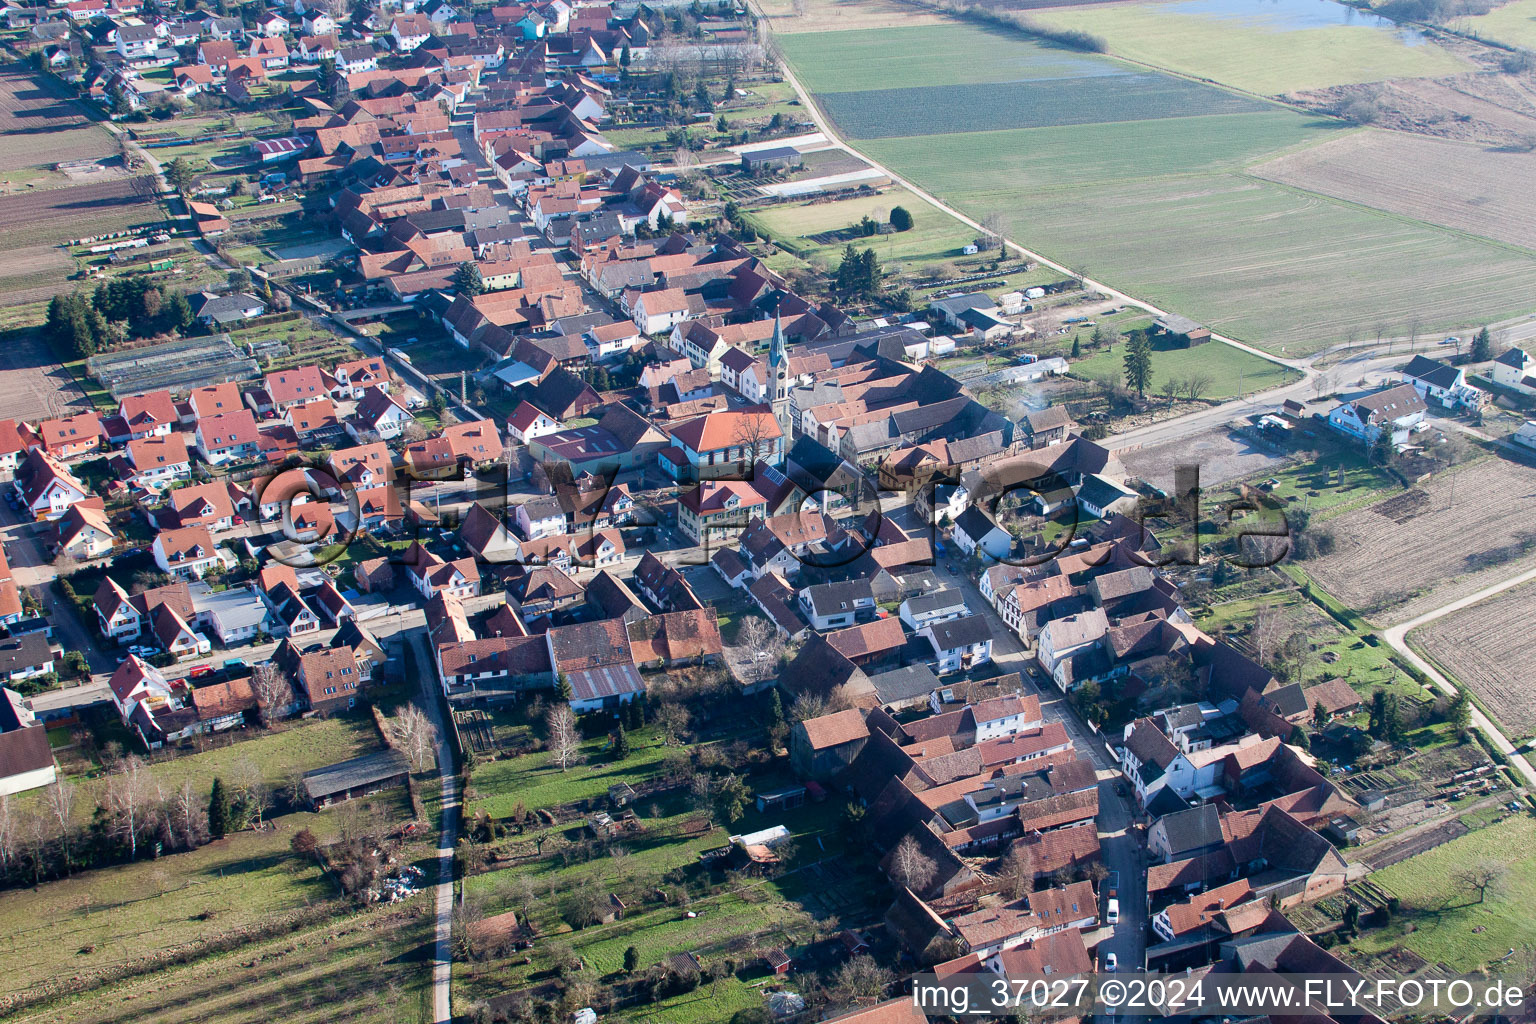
1417, 550
1455, 185
832, 15
58, 214
1491, 649
1489, 108
35, 272
42, 124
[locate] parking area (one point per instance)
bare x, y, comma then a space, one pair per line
1221, 456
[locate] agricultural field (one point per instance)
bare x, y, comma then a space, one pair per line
844, 15
949, 53
51, 216
42, 124
1513, 24
1466, 188
1442, 920
1490, 649
810, 228
1160, 207
1231, 370
1032, 103
1259, 46
1283, 270
1449, 537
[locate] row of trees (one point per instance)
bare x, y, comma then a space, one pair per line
123, 308
136, 816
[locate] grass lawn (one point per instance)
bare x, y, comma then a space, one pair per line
935, 236
372, 967
1317, 488
1449, 925
132, 910
1263, 52
1512, 23
535, 781
295, 747
1231, 369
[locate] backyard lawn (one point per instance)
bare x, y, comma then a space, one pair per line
1231, 370
1442, 920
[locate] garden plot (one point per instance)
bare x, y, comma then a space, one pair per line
1449, 537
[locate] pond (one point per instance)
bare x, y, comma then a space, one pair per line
1296, 15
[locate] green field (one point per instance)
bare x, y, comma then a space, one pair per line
935, 235
131, 911
1036, 103
1071, 155
1447, 923
1259, 53
949, 54
1512, 23
1158, 207
1232, 371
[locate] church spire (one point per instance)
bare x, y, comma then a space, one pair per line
777, 355
778, 376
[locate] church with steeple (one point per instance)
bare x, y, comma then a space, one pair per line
778, 373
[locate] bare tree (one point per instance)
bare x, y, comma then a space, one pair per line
564, 742
273, 692
861, 978
910, 866
412, 432
1325, 382
1268, 624
1483, 878
189, 816
1018, 872
806, 707
686, 162
413, 733
128, 803
1196, 385
8, 837
37, 834
994, 225
672, 718
60, 800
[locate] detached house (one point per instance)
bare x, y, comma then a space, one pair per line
46, 488
158, 461
227, 437
187, 552
378, 413
83, 532
430, 575
1396, 409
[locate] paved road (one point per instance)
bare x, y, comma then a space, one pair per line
442, 966
1397, 637
1121, 845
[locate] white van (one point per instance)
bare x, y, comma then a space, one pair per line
1112, 912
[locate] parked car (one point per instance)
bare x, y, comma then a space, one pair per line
1111, 963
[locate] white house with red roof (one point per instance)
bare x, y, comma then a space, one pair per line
158, 460
151, 415
228, 437
354, 377
296, 387
378, 412
187, 551
46, 487
528, 422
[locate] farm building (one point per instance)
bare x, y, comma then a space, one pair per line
359, 776
777, 158
1182, 331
